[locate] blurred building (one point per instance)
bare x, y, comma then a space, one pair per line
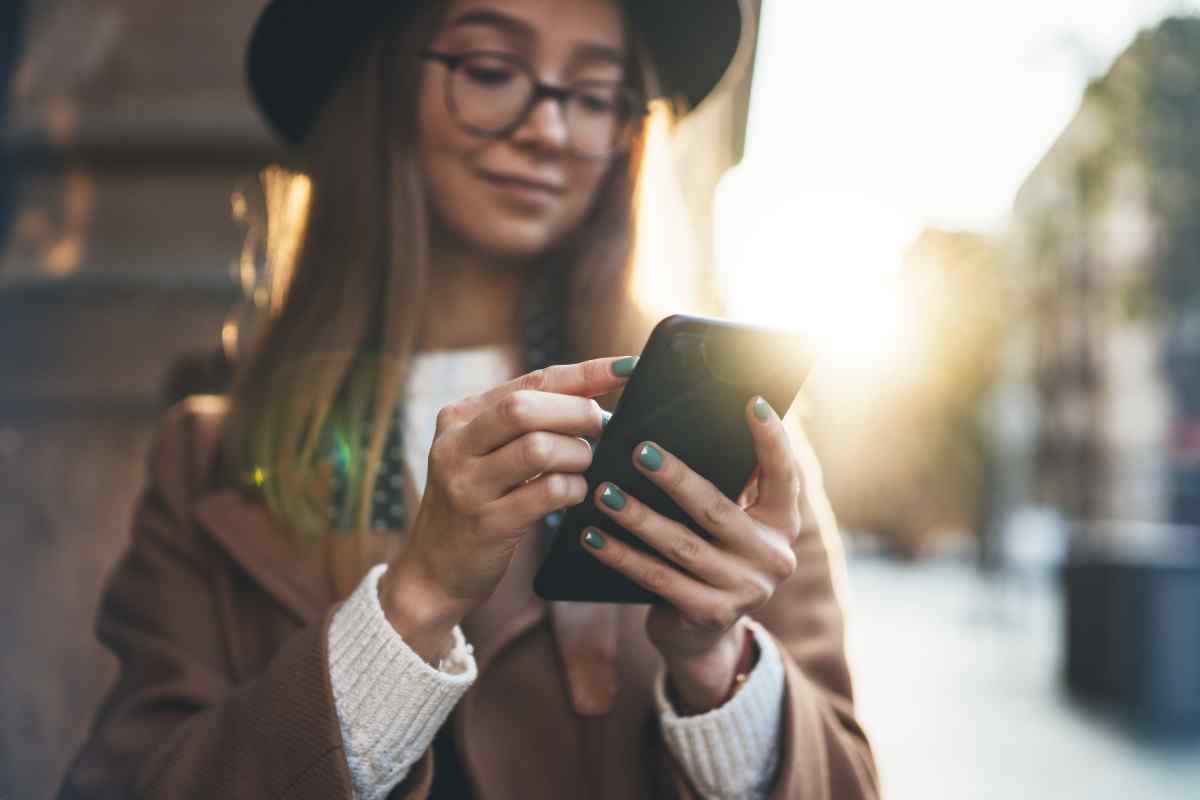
1105, 243
1105, 246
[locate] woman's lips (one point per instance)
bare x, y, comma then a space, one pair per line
528, 193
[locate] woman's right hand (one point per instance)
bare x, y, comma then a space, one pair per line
500, 461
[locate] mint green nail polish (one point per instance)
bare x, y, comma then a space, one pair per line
650, 457
604, 420
623, 367
762, 409
593, 539
612, 497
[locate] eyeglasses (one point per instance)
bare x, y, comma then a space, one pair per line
492, 94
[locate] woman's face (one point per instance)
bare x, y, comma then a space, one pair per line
515, 196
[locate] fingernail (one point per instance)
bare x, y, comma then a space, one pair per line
650, 457
612, 497
590, 442
593, 539
605, 417
762, 409
623, 367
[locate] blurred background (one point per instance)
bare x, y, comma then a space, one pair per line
986, 215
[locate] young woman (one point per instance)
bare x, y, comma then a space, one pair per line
328, 589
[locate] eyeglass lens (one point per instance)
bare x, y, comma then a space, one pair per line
490, 94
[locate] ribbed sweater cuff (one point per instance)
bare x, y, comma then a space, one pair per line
389, 701
731, 751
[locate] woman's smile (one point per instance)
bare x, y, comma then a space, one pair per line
522, 192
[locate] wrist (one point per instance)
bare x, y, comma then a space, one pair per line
697, 684
422, 614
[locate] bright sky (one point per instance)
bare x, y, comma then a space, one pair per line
869, 121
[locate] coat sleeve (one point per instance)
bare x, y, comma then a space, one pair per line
825, 754
176, 723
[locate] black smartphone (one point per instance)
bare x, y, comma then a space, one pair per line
688, 393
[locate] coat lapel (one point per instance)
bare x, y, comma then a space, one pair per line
586, 634
248, 535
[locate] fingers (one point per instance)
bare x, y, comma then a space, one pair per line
702, 604
585, 379
527, 457
675, 542
703, 502
528, 503
778, 473
749, 494
728, 522
524, 411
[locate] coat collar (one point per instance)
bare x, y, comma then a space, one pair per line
246, 533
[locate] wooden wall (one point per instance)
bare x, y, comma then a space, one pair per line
130, 128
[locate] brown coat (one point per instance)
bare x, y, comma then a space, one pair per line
220, 626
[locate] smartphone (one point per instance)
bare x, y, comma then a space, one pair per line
688, 394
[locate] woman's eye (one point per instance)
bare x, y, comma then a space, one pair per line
597, 102
488, 75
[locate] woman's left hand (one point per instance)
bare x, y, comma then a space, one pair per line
708, 586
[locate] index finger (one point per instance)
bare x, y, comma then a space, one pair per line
585, 379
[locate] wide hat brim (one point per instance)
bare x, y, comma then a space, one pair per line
299, 49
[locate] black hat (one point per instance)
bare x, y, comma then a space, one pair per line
300, 47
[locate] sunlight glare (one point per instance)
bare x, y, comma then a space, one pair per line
823, 264
664, 256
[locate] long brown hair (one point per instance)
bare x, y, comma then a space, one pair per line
346, 312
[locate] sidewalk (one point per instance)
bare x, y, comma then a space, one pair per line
959, 684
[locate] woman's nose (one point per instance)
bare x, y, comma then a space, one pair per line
545, 127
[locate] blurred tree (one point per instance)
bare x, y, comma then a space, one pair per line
1106, 242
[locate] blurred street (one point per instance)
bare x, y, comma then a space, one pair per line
960, 684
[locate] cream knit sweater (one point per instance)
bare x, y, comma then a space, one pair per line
391, 703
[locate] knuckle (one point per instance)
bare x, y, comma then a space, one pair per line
592, 372
564, 490
538, 449
635, 514
685, 550
717, 511
656, 578
618, 556
535, 380
714, 617
458, 489
447, 417
517, 408
675, 476
781, 563
758, 593
556, 486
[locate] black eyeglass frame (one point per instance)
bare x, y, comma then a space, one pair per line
634, 100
